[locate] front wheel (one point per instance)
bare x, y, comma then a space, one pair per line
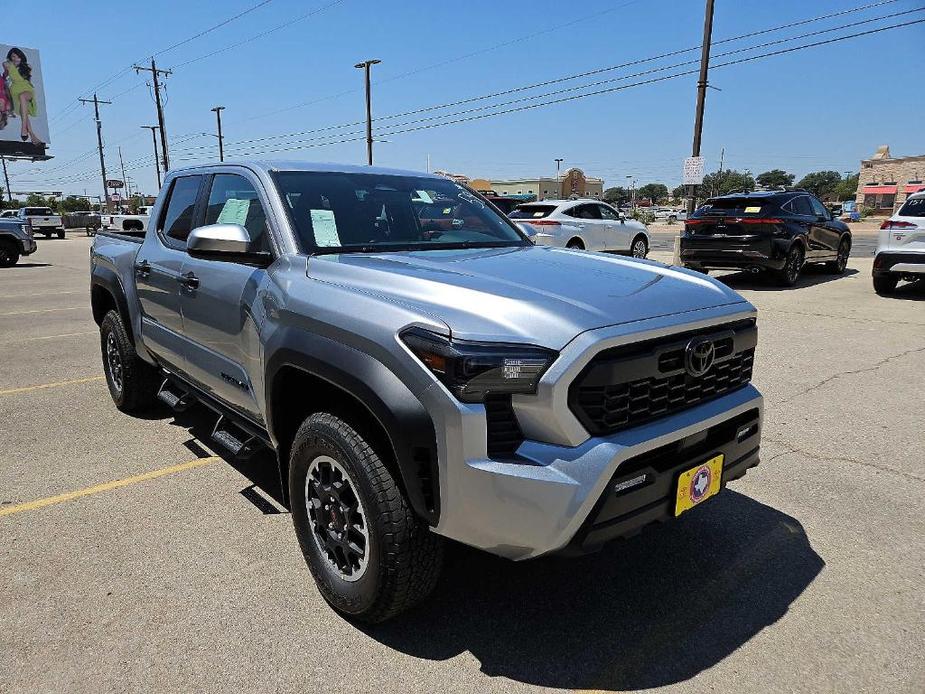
9, 254
788, 275
885, 284
837, 266
369, 554
132, 382
640, 247
60, 233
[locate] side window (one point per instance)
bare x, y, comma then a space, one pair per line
177, 220
233, 200
802, 206
586, 212
573, 212
818, 208
609, 214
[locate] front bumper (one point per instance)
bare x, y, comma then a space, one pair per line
561, 497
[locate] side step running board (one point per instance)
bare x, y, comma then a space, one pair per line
176, 399
236, 440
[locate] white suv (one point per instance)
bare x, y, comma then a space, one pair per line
582, 224
901, 247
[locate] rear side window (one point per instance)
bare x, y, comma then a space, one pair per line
233, 200
177, 221
802, 206
913, 207
818, 208
532, 211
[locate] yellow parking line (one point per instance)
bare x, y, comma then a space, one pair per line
43, 310
27, 389
106, 486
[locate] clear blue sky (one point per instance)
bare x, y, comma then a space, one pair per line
822, 108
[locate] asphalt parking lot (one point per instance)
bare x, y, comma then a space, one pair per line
137, 558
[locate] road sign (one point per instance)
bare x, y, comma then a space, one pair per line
114, 183
115, 197
693, 171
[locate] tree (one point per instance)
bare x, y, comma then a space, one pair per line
822, 184
848, 188
728, 181
616, 195
679, 193
71, 204
775, 178
653, 191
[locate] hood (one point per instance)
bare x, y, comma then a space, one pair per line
536, 295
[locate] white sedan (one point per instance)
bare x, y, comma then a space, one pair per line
581, 224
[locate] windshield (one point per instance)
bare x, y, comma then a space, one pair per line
38, 211
337, 212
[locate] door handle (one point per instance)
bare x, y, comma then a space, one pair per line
188, 280
142, 268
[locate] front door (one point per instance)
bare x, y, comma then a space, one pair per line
617, 233
157, 273
826, 234
221, 314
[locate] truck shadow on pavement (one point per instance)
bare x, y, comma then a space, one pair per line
653, 610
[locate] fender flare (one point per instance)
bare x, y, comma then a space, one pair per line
408, 426
107, 279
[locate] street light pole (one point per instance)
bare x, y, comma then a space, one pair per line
558, 184
218, 117
157, 166
365, 65
632, 193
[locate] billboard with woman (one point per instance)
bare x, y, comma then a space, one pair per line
23, 110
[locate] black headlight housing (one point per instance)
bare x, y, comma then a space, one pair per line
472, 370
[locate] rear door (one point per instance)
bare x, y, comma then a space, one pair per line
157, 272
219, 300
826, 234
803, 216
593, 228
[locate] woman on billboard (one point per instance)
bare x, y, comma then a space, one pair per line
18, 73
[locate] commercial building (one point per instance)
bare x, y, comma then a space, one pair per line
572, 183
885, 181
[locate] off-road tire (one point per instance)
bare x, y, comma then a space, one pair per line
837, 266
139, 380
9, 254
788, 275
403, 556
885, 284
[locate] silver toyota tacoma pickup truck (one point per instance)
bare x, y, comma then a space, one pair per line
420, 381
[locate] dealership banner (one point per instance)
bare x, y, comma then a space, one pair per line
23, 109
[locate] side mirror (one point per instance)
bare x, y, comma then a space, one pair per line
229, 242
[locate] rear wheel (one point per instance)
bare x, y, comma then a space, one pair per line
885, 284
788, 275
640, 247
132, 382
838, 265
9, 254
371, 557
575, 245
60, 233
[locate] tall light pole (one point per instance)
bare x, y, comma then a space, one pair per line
157, 166
218, 117
365, 65
558, 185
632, 192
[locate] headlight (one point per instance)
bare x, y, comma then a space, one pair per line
472, 370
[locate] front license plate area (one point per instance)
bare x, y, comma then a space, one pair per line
698, 484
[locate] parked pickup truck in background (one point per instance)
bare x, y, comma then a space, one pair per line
15, 241
418, 383
127, 222
41, 219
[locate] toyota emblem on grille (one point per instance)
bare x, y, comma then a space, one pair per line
699, 356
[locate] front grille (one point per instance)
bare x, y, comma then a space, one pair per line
504, 435
631, 385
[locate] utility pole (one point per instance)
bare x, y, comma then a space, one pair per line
365, 65
6, 177
160, 107
701, 92
124, 179
157, 168
218, 117
99, 139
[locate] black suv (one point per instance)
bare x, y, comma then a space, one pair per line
776, 231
